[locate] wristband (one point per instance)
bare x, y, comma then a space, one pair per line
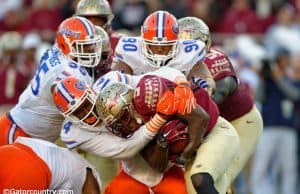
155, 123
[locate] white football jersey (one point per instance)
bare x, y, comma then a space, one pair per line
132, 80
35, 112
103, 142
68, 169
129, 51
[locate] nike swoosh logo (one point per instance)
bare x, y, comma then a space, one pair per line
248, 122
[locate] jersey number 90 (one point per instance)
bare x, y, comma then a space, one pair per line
129, 44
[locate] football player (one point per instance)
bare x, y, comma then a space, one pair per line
82, 130
76, 52
100, 14
210, 164
159, 46
234, 99
33, 164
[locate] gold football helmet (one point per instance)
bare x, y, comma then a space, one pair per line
95, 8
104, 39
192, 28
114, 106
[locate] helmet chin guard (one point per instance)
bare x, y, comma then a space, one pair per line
159, 60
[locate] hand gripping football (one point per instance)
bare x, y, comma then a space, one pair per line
176, 134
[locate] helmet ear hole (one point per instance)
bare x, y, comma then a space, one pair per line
73, 49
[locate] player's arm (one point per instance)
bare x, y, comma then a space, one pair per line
90, 185
156, 154
183, 102
197, 122
111, 146
224, 87
122, 67
200, 70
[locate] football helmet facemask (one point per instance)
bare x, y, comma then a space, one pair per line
76, 100
114, 106
77, 39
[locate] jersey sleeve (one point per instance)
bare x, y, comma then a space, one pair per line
168, 73
219, 64
118, 56
199, 55
109, 145
73, 134
110, 78
127, 51
74, 69
194, 51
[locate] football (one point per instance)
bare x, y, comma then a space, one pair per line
176, 148
176, 133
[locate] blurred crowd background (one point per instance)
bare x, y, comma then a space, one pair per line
261, 37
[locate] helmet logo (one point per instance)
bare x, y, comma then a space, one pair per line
80, 85
110, 104
68, 32
175, 28
113, 101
